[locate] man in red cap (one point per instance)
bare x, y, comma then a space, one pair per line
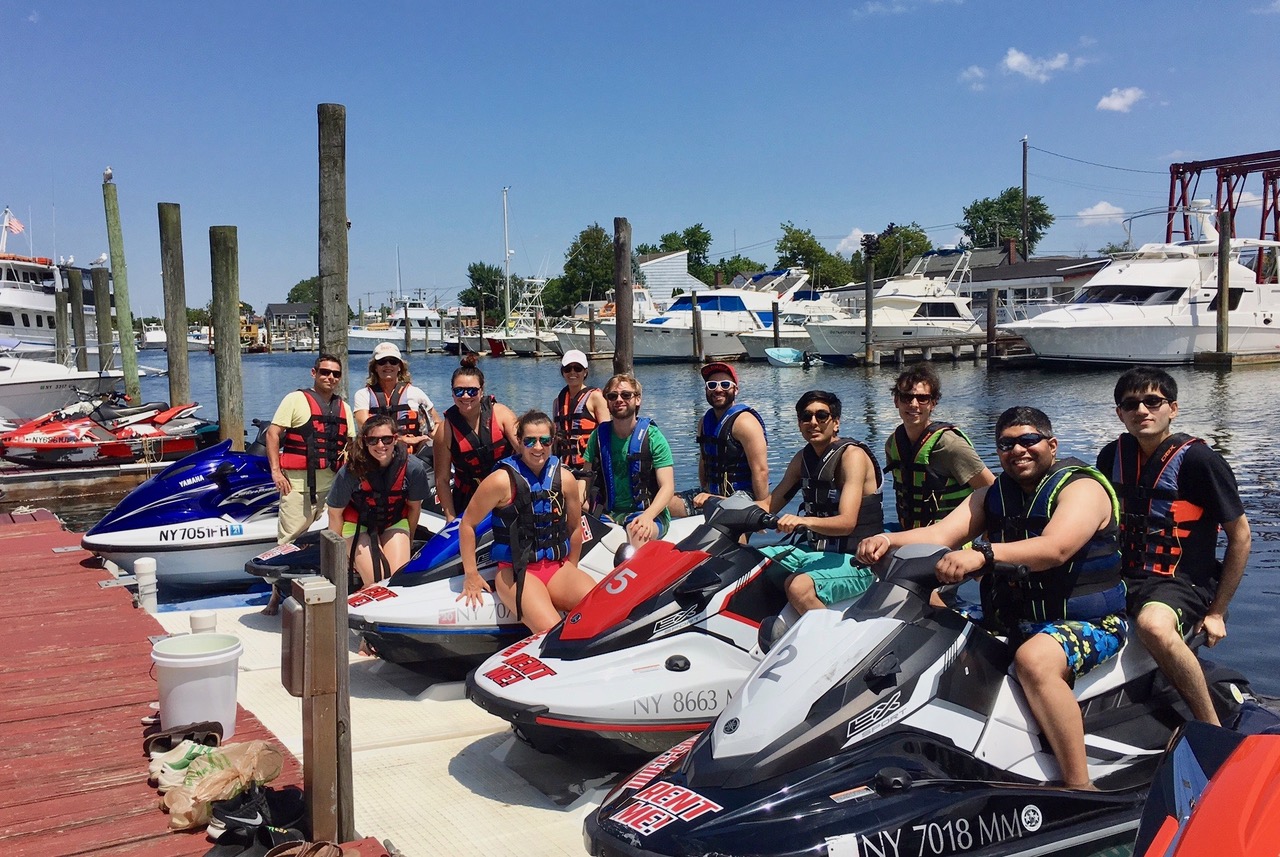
733, 450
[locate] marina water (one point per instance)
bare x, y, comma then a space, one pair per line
1233, 410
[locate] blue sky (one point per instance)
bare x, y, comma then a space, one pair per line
840, 117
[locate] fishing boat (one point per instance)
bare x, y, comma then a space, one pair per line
27, 288
30, 387
575, 333
426, 331
1160, 305
153, 338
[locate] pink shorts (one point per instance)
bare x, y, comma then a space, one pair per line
543, 569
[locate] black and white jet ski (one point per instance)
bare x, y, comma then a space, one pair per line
653, 653
898, 729
416, 616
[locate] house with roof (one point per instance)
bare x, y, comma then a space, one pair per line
288, 315
664, 273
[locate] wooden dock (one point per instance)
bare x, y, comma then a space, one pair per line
74, 684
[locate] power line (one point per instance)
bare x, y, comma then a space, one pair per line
1103, 166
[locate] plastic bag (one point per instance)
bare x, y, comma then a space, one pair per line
218, 776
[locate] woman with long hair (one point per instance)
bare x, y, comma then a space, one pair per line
478, 432
389, 390
537, 531
376, 499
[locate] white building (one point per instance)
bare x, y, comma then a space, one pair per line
666, 272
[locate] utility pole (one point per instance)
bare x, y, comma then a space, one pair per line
1026, 247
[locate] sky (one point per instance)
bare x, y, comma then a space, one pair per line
839, 117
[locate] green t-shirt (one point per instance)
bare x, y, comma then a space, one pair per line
624, 503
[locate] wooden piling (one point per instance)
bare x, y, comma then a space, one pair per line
623, 342
75, 286
1224, 281
408, 332
332, 120
697, 328
869, 351
224, 263
777, 334
61, 336
120, 283
333, 564
591, 330
102, 316
992, 310
174, 283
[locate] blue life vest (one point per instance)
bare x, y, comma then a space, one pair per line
725, 465
642, 479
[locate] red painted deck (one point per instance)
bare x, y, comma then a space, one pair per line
75, 682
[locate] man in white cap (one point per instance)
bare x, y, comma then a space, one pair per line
389, 390
577, 410
733, 449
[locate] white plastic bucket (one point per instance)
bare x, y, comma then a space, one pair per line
197, 678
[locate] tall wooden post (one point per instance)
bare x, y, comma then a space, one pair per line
623, 336
75, 287
777, 334
332, 120
869, 348
102, 309
697, 328
1224, 280
120, 281
408, 331
173, 280
992, 311
591, 330
224, 262
61, 335
333, 565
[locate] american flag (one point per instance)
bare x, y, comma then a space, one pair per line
13, 224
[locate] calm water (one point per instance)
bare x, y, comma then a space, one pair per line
1230, 409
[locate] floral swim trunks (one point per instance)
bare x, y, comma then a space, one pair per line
1086, 644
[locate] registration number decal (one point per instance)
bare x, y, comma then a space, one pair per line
936, 838
198, 534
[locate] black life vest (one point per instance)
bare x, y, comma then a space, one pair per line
574, 424
1158, 527
924, 494
379, 500
820, 493
1060, 592
642, 478
532, 528
474, 453
395, 406
724, 461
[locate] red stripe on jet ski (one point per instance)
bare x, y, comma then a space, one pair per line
622, 727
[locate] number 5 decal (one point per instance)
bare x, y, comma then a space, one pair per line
619, 581
785, 656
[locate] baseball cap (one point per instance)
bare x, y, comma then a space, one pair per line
573, 355
386, 349
712, 368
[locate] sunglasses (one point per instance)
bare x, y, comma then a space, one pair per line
921, 398
624, 395
719, 385
1151, 403
536, 440
820, 417
380, 440
1026, 441
389, 361
326, 373
572, 367
465, 392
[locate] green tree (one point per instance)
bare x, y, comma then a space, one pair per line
893, 247
1111, 248
735, 265
198, 317
486, 281
798, 248
990, 222
588, 271
697, 240
305, 291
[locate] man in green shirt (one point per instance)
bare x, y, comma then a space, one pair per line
632, 465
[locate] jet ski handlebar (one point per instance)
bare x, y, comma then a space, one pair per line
913, 567
737, 515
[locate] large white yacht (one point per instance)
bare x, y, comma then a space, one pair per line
425, 328
27, 304
575, 333
1160, 305
798, 305
911, 306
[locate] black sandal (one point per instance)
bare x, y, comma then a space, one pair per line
209, 733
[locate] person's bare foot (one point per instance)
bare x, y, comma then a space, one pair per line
271, 610
1081, 787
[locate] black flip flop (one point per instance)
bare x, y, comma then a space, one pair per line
208, 732
253, 842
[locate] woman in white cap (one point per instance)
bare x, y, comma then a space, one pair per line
389, 391
577, 410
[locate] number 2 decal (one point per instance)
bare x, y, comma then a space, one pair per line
785, 656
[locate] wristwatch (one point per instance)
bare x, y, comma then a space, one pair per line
984, 548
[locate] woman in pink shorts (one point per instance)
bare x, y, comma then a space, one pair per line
537, 531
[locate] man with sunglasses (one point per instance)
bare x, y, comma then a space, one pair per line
1175, 491
577, 410
733, 453
305, 444
934, 464
1060, 519
632, 467
840, 482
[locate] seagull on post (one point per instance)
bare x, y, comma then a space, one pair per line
106, 174
98, 262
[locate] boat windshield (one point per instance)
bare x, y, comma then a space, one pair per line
1135, 295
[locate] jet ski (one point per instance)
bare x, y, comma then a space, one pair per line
653, 653
106, 431
416, 616
898, 728
200, 518
1215, 792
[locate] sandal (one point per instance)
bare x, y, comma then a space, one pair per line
312, 849
157, 743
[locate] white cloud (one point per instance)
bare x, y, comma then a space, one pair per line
851, 242
1090, 41
34, 17
1272, 8
1031, 68
1101, 214
1248, 197
1121, 100
896, 7
974, 77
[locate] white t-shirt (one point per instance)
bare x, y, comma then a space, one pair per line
413, 396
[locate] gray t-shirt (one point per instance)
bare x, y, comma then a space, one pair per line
416, 485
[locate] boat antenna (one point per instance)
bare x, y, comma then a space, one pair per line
506, 258
399, 290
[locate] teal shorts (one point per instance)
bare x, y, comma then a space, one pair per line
835, 576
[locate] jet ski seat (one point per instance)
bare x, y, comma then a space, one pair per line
107, 412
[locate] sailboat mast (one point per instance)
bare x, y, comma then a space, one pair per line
399, 289
506, 259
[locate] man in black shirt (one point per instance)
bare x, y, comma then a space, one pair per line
1175, 491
